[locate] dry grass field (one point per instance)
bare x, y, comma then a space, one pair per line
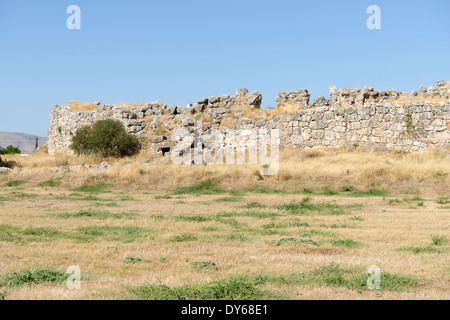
224, 232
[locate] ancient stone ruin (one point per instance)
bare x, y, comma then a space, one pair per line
369, 118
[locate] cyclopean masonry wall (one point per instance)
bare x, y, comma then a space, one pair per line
375, 119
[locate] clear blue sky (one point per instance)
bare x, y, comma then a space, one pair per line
179, 51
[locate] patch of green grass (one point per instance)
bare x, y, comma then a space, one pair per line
336, 226
15, 183
334, 275
10, 233
228, 237
157, 217
327, 191
206, 187
372, 192
235, 237
209, 229
320, 233
307, 191
268, 232
43, 232
193, 218
131, 259
79, 197
441, 207
427, 249
438, 240
231, 199
298, 224
183, 238
347, 243
253, 214
265, 190
254, 205
52, 183
239, 287
124, 234
204, 264
295, 240
163, 260
348, 188
126, 198
236, 193
107, 204
231, 222
305, 207
33, 276
166, 197
256, 286
440, 174
391, 201
97, 215
99, 187
443, 200
357, 218
274, 225
22, 195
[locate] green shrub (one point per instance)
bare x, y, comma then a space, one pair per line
106, 138
10, 150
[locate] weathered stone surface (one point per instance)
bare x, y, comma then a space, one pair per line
367, 117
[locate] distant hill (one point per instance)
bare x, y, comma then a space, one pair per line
25, 142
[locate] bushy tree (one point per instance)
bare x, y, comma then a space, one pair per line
10, 150
105, 138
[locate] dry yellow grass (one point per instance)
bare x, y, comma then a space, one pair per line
76, 106
381, 228
382, 224
427, 173
266, 114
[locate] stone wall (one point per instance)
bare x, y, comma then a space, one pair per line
375, 119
